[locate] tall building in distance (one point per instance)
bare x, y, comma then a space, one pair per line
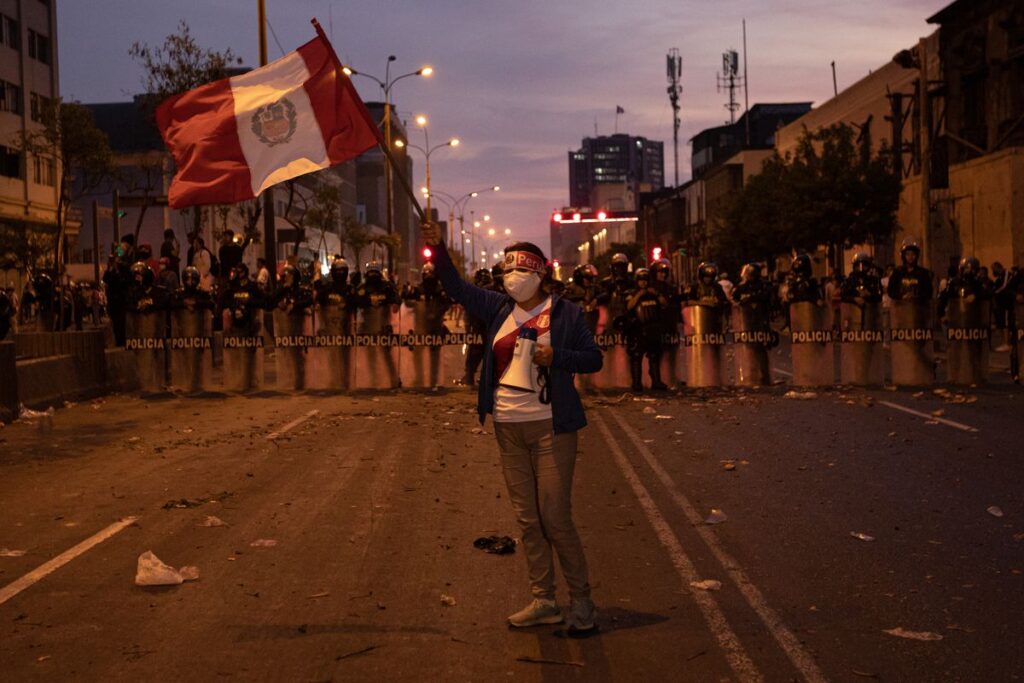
610, 171
28, 84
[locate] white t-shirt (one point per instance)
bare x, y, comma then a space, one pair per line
513, 405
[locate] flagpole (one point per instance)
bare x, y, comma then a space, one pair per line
269, 224
397, 170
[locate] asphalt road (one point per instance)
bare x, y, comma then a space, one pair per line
374, 501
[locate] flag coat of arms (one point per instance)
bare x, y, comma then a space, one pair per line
233, 138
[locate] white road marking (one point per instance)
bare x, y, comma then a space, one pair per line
12, 589
911, 411
737, 657
291, 425
789, 643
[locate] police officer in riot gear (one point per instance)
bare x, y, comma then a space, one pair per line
475, 326
241, 300
862, 286
616, 290
966, 285
910, 281
190, 296
145, 296
497, 279
645, 306
432, 294
291, 296
375, 294
752, 289
336, 291
707, 291
801, 285
582, 291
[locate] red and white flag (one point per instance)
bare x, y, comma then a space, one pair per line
233, 138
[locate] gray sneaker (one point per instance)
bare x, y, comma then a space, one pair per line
582, 615
537, 612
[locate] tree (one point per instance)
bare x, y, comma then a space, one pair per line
69, 148
355, 236
756, 220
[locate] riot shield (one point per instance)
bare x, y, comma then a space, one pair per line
611, 339
420, 359
968, 335
752, 337
860, 344
704, 339
191, 345
912, 343
330, 363
243, 355
811, 345
145, 337
1016, 340
291, 332
377, 352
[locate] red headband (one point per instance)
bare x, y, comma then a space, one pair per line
524, 259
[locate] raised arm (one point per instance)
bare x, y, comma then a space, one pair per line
480, 302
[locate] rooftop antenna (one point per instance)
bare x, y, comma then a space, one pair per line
729, 80
674, 70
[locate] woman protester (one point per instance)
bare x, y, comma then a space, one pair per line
537, 429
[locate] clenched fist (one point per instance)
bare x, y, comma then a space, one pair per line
431, 232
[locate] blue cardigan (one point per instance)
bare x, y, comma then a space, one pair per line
574, 348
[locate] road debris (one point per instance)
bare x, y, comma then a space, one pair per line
861, 536
800, 395
728, 465
664, 417
7, 552
29, 414
263, 543
212, 521
151, 571
314, 596
901, 632
707, 585
995, 510
496, 545
716, 517
356, 653
541, 660
648, 410
447, 600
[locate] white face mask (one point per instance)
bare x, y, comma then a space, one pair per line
521, 286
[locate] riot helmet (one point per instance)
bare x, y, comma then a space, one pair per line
661, 269
861, 262
428, 271
801, 265
482, 278
642, 274
620, 264
751, 272
339, 270
707, 272
289, 277
373, 272
910, 247
969, 267
142, 274
239, 273
190, 278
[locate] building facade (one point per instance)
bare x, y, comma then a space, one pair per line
29, 82
625, 163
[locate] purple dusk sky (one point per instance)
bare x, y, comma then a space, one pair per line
521, 82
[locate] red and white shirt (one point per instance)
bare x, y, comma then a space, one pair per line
513, 405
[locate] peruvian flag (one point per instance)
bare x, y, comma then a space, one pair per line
234, 138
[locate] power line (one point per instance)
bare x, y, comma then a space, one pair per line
274, 34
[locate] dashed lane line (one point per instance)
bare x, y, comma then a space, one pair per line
291, 425
801, 659
956, 425
737, 657
43, 570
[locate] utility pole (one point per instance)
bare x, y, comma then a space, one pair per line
674, 70
746, 89
925, 133
269, 227
729, 80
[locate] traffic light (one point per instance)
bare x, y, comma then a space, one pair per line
557, 217
427, 253
655, 254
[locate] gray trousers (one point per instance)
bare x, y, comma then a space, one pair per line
538, 467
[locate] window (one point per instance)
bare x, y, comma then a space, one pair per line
10, 32
10, 97
37, 106
38, 47
43, 171
10, 162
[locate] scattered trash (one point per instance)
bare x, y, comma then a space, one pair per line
134, 439
707, 585
539, 660
938, 413
900, 632
800, 395
648, 410
728, 465
212, 521
151, 571
324, 594
43, 658
496, 545
995, 511
7, 552
29, 414
478, 430
70, 404
187, 430
716, 517
357, 652
182, 503
864, 674
664, 417
263, 543
861, 536
447, 600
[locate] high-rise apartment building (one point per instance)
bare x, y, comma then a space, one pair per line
634, 163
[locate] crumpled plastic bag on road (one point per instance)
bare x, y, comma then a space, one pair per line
496, 545
152, 571
707, 585
716, 517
